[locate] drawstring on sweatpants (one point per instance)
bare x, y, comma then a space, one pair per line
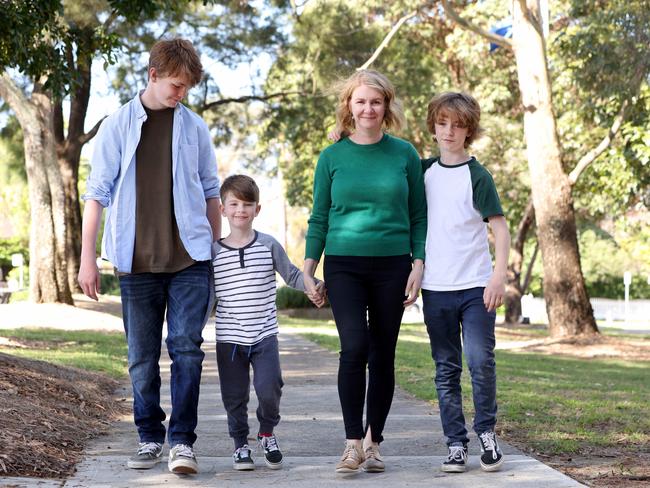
234, 351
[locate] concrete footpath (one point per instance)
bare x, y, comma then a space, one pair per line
311, 437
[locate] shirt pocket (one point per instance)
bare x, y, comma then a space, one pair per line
190, 159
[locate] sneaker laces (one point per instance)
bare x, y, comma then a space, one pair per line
270, 443
148, 448
489, 442
239, 452
456, 453
183, 450
350, 451
372, 452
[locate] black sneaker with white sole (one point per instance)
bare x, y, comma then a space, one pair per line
242, 459
149, 454
272, 453
491, 455
456, 461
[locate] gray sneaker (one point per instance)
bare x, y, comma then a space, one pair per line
149, 454
182, 460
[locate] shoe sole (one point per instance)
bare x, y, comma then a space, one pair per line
453, 469
271, 465
243, 467
347, 470
142, 464
373, 469
492, 467
183, 468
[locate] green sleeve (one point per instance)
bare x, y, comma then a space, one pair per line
484, 192
322, 201
417, 205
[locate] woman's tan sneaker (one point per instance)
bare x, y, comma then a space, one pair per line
373, 463
351, 459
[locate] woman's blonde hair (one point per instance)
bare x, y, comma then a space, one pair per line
460, 105
394, 115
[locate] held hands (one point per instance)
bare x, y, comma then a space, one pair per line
414, 282
315, 292
494, 292
89, 279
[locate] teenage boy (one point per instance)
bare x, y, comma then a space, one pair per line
460, 290
245, 263
154, 169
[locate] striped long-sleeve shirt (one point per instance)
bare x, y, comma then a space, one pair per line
244, 282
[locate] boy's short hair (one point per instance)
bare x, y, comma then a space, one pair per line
394, 113
176, 57
461, 105
242, 187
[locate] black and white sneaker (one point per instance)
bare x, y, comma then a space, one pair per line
491, 456
149, 454
272, 453
242, 459
456, 461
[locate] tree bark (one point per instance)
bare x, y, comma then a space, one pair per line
567, 302
514, 285
48, 263
68, 150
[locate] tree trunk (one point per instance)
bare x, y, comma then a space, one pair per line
567, 301
514, 285
48, 264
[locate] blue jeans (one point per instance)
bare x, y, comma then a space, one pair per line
448, 314
185, 296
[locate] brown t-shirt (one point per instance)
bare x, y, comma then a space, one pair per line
158, 246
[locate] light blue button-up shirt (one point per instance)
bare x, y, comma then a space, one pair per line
112, 181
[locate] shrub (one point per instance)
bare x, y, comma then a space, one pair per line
288, 297
109, 284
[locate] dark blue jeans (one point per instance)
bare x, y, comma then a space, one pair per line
448, 315
184, 296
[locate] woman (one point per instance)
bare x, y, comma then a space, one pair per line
369, 219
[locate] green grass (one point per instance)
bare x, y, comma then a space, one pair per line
103, 352
549, 404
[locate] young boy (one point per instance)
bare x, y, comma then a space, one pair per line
460, 291
154, 169
245, 263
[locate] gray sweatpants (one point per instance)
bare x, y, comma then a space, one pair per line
234, 363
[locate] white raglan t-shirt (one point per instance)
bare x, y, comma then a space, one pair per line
460, 199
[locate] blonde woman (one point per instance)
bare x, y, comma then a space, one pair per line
369, 219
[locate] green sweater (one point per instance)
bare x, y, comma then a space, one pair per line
369, 200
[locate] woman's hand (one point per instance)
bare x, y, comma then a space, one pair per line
314, 292
413, 283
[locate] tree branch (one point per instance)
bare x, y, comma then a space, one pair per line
495, 38
84, 138
529, 270
15, 98
387, 39
247, 98
592, 155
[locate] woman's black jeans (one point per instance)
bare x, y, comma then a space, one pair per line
366, 294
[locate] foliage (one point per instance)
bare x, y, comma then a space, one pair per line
10, 246
288, 297
109, 284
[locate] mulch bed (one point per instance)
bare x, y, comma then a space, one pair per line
48, 413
